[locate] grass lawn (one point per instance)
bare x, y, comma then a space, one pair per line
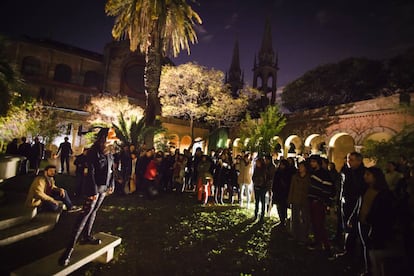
173, 235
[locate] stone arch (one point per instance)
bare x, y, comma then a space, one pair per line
93, 79
277, 146
293, 145
237, 145
315, 144
198, 143
378, 134
31, 66
174, 142
63, 73
340, 145
185, 142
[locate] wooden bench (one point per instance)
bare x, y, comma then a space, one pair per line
82, 255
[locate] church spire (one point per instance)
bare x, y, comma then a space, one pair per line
234, 76
266, 53
235, 62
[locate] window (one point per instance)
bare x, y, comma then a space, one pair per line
31, 66
92, 80
134, 78
63, 73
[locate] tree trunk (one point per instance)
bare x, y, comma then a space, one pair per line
152, 83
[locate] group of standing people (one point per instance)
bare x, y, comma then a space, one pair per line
33, 152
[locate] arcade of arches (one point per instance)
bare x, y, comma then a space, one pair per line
335, 131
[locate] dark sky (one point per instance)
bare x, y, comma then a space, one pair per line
305, 33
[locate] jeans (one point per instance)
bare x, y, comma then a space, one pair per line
50, 206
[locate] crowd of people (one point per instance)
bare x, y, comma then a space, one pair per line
34, 152
374, 209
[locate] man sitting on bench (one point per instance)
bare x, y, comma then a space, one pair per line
45, 195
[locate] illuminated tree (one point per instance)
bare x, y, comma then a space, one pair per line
259, 132
30, 118
195, 93
10, 81
186, 90
106, 110
226, 111
156, 28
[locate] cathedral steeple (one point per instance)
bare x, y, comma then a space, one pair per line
265, 70
266, 53
235, 76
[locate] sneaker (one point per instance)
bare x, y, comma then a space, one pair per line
340, 254
74, 209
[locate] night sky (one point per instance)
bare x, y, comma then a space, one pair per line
305, 33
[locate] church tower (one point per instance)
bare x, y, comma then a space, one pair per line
265, 68
235, 77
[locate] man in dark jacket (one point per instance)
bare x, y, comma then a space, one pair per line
99, 182
65, 151
352, 189
320, 194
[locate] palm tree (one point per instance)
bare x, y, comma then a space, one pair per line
134, 132
157, 28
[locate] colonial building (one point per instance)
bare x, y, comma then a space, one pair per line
67, 77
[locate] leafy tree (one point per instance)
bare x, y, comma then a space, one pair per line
185, 91
195, 93
400, 71
259, 133
225, 110
105, 110
156, 28
350, 80
30, 118
384, 151
10, 81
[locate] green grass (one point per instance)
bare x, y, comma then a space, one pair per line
172, 235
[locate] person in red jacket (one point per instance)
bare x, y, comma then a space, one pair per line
151, 176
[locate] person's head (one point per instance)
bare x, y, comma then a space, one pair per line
325, 163
149, 153
355, 160
391, 167
315, 162
36, 139
23, 139
66, 139
101, 138
303, 167
283, 164
375, 178
332, 166
268, 159
259, 162
134, 155
50, 170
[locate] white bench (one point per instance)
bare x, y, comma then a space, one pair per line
82, 255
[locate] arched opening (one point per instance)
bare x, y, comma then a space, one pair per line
293, 144
237, 145
339, 146
376, 137
92, 80
277, 146
31, 66
315, 144
63, 73
185, 143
